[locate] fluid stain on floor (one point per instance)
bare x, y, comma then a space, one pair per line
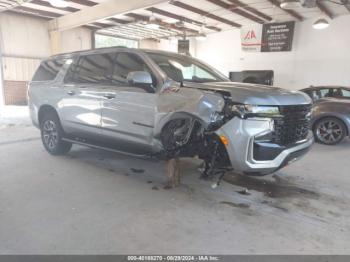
273, 189
240, 205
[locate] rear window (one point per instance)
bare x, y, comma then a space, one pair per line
48, 70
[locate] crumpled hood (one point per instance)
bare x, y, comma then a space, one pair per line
255, 94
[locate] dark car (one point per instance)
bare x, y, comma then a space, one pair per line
330, 113
318, 92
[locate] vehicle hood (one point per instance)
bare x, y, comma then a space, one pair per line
255, 94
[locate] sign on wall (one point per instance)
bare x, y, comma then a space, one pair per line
274, 37
277, 37
251, 38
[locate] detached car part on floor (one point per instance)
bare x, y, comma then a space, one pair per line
165, 105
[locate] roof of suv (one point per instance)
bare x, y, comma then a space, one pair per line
112, 49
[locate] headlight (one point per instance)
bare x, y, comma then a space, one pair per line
256, 111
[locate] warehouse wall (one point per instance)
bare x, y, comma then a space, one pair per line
24, 41
75, 39
318, 56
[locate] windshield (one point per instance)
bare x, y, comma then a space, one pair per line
181, 68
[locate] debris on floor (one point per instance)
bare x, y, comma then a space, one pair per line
240, 205
273, 189
244, 192
137, 170
155, 188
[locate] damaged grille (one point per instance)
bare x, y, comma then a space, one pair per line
294, 124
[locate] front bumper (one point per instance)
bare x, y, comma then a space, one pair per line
246, 155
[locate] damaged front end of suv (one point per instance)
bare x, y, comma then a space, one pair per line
250, 129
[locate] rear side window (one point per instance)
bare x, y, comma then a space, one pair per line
325, 92
91, 69
48, 70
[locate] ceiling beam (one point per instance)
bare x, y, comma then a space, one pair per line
36, 12
14, 11
107, 33
101, 25
47, 4
234, 9
181, 18
251, 9
324, 9
8, 3
119, 21
104, 10
91, 27
72, 9
205, 13
172, 26
84, 2
293, 13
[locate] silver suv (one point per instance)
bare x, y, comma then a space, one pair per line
164, 105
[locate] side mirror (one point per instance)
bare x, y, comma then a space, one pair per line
141, 79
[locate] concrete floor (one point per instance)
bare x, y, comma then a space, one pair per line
90, 202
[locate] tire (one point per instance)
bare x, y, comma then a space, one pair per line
52, 134
174, 132
329, 131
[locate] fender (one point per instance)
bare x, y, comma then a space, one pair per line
188, 103
173, 116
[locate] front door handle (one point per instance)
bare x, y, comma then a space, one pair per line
71, 92
109, 96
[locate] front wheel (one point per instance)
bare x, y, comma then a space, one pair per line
329, 131
52, 134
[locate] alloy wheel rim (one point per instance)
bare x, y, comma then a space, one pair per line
329, 132
50, 134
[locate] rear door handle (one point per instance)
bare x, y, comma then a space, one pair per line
109, 96
71, 92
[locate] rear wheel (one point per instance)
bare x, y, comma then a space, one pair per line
52, 134
329, 131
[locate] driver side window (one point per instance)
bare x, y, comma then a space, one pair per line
126, 63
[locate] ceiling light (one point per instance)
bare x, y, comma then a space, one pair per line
320, 24
290, 4
152, 23
59, 3
152, 26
